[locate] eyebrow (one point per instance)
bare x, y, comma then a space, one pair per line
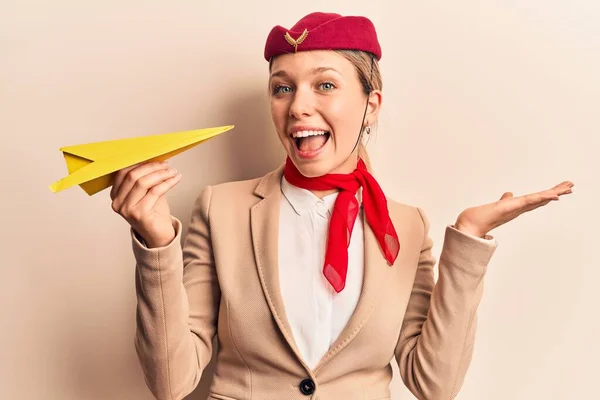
312, 71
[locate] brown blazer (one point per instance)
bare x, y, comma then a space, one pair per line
225, 282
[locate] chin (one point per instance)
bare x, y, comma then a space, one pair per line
313, 168
313, 171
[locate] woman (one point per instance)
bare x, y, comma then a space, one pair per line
311, 279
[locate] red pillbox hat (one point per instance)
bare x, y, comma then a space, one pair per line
324, 31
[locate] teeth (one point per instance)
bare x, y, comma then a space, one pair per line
300, 134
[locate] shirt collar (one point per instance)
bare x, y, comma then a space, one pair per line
302, 200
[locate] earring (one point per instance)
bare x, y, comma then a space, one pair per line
366, 135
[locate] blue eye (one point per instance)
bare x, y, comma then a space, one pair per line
327, 86
281, 89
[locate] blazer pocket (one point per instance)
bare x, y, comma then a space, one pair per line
215, 396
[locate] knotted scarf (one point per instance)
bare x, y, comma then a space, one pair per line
345, 211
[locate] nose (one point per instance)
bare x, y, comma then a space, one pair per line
302, 104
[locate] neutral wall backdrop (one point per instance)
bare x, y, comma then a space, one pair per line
495, 95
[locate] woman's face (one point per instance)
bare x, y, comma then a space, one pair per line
317, 105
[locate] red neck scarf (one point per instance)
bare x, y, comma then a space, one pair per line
344, 215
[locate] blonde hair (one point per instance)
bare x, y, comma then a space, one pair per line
369, 75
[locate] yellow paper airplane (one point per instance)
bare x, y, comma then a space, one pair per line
92, 166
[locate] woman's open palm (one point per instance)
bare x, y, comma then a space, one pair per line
482, 219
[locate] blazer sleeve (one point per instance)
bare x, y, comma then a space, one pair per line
177, 306
436, 340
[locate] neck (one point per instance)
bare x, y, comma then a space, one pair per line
346, 167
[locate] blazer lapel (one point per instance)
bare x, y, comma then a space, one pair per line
375, 267
264, 220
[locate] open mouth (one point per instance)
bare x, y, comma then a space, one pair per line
310, 141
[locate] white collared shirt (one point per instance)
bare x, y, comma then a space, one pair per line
316, 313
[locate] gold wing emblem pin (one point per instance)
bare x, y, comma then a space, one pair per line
296, 42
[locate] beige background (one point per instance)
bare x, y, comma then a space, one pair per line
495, 95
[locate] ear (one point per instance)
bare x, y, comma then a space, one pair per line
375, 100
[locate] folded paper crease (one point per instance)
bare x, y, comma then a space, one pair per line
93, 165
